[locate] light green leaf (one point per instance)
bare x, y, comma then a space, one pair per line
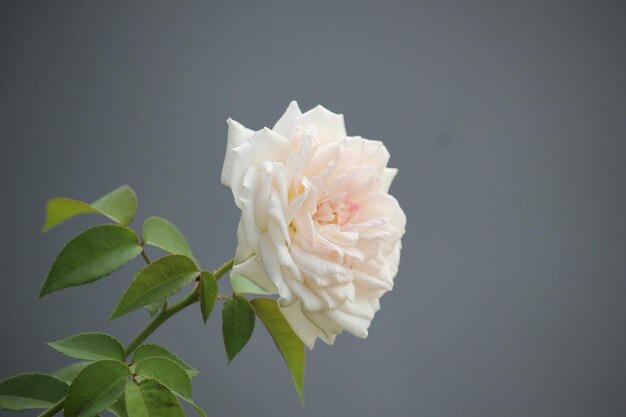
119, 205
91, 346
168, 373
59, 210
28, 391
155, 308
288, 343
151, 399
208, 293
164, 235
90, 256
144, 352
119, 408
157, 281
96, 388
237, 324
70, 372
242, 285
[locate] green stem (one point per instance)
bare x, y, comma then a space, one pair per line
224, 269
165, 314
168, 312
54, 409
145, 257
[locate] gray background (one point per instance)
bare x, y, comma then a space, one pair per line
506, 120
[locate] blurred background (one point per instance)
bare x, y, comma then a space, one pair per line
506, 120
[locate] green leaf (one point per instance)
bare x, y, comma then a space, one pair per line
119, 408
96, 388
90, 256
151, 399
70, 372
288, 343
144, 352
119, 205
60, 210
91, 346
208, 293
155, 308
195, 407
28, 391
161, 279
237, 325
164, 235
168, 373
242, 285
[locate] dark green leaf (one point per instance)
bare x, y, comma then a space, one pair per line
144, 352
151, 399
27, 391
164, 235
96, 388
157, 281
168, 373
91, 346
119, 205
208, 293
237, 324
288, 343
70, 372
90, 256
119, 408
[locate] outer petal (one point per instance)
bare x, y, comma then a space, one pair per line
329, 126
383, 206
355, 317
287, 123
263, 145
237, 135
244, 250
388, 175
252, 268
306, 330
368, 152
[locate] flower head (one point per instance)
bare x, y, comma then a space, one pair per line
318, 226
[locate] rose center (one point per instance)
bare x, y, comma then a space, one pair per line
335, 212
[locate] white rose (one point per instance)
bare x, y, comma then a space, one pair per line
318, 226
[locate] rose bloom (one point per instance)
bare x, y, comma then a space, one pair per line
318, 226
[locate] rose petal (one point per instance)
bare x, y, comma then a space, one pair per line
388, 175
237, 135
252, 268
306, 330
263, 145
328, 125
287, 122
